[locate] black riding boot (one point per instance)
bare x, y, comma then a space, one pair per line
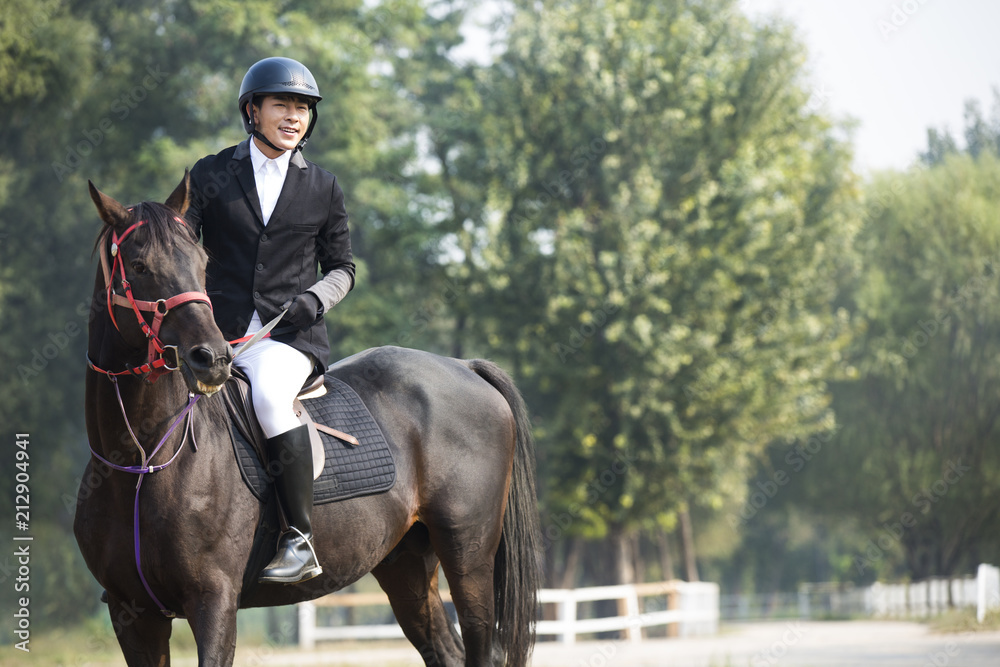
290, 463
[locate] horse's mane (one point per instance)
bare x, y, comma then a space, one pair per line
161, 230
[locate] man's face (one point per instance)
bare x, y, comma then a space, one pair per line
283, 119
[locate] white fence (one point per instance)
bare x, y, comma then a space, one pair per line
685, 608
688, 609
933, 596
916, 599
987, 590
693, 607
920, 598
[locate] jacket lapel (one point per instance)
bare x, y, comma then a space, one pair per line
244, 173
296, 174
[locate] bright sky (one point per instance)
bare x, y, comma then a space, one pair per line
898, 67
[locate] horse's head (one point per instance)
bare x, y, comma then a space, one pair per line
154, 273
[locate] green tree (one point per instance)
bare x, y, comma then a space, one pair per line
915, 462
655, 254
412, 298
981, 134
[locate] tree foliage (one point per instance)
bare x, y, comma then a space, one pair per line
655, 247
904, 486
917, 443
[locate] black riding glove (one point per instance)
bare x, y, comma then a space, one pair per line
303, 310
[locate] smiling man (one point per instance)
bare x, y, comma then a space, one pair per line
269, 219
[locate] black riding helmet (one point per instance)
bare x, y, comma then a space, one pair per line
278, 75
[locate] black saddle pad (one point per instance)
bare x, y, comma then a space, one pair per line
349, 471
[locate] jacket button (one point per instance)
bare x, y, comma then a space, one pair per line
260, 267
263, 237
256, 295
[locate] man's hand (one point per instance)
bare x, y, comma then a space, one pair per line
303, 310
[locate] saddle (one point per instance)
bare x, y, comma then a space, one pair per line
350, 454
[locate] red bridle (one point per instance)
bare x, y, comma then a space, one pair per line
156, 364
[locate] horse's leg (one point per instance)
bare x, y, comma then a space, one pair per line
410, 580
143, 633
467, 558
213, 622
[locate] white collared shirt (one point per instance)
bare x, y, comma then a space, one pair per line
268, 183
269, 187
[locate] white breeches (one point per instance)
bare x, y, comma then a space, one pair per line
277, 373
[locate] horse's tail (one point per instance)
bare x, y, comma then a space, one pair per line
517, 571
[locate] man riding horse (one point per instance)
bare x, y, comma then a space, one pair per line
166, 520
268, 218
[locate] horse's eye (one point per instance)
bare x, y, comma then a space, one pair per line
138, 267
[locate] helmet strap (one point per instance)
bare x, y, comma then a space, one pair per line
267, 142
312, 124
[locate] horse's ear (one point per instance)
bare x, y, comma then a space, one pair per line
112, 213
180, 198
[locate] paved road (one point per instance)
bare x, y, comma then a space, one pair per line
777, 644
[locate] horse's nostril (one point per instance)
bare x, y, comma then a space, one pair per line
202, 357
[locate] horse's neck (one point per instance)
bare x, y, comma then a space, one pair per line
131, 411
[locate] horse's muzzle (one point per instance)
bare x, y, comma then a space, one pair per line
206, 369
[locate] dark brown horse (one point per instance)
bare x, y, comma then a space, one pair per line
464, 496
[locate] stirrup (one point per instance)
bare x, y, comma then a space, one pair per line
294, 572
309, 544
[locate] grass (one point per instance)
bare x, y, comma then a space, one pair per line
964, 620
93, 644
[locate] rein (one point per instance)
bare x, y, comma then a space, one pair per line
145, 469
155, 366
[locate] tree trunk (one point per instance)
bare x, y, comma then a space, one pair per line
687, 544
666, 557
624, 556
457, 349
567, 578
638, 566
562, 570
624, 560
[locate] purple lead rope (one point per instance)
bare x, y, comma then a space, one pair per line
142, 471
